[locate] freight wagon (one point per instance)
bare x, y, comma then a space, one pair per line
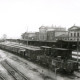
51, 57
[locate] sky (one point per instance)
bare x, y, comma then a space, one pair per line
19, 16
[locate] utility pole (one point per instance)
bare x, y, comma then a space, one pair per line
27, 35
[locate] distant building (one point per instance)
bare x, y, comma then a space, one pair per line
37, 36
74, 33
24, 35
42, 33
29, 36
56, 35
63, 37
50, 33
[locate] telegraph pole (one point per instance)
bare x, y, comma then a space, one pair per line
27, 35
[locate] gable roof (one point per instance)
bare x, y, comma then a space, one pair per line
74, 28
42, 27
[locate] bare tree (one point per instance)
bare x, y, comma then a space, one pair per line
4, 36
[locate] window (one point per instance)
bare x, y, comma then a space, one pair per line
74, 34
71, 34
77, 34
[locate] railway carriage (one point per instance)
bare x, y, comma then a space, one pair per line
58, 58
32, 53
44, 58
52, 57
46, 50
21, 51
63, 59
62, 52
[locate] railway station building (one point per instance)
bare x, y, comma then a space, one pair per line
57, 35
51, 33
74, 33
29, 36
43, 33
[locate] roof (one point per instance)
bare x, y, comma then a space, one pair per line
22, 47
74, 28
33, 49
42, 27
53, 28
50, 29
45, 47
61, 49
63, 35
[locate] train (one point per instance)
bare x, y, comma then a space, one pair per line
52, 57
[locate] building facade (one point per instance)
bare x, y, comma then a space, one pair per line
56, 35
49, 33
29, 36
74, 33
24, 35
37, 36
63, 37
42, 33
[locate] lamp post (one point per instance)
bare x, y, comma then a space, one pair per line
27, 36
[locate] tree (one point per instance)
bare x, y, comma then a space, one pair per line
4, 36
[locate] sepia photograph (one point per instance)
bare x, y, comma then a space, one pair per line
39, 39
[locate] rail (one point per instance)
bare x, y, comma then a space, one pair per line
1, 77
13, 71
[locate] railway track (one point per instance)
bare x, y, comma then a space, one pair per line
2, 77
72, 76
16, 74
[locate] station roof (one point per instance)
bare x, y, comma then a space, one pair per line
45, 46
22, 47
60, 49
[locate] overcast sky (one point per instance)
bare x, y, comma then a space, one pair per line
17, 15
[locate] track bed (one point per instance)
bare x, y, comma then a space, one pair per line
17, 75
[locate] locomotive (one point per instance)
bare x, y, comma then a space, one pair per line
52, 57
